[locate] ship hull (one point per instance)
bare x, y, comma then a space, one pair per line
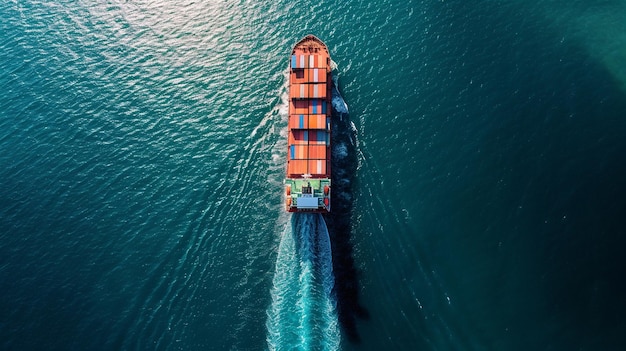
307, 182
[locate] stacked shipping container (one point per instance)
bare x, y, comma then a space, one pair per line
309, 119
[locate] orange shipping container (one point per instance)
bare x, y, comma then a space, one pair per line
298, 107
300, 91
317, 166
299, 61
299, 76
317, 152
316, 61
296, 167
315, 75
300, 121
317, 91
317, 121
301, 152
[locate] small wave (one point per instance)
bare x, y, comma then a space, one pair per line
333, 65
338, 102
339, 105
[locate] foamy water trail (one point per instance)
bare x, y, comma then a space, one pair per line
303, 311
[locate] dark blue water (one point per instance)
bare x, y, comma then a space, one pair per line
479, 177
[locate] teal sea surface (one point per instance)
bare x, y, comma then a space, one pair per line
479, 177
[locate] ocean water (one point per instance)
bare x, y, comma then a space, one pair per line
479, 178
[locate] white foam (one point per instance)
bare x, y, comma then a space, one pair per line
339, 104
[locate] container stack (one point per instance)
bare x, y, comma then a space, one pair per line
309, 117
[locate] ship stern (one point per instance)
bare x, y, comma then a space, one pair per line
307, 195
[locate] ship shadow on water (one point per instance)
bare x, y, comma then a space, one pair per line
344, 167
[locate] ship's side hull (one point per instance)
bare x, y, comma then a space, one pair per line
307, 184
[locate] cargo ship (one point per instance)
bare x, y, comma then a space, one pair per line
307, 184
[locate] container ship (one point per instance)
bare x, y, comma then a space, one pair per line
307, 184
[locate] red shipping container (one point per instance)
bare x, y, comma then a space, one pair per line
319, 137
297, 107
298, 137
317, 106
